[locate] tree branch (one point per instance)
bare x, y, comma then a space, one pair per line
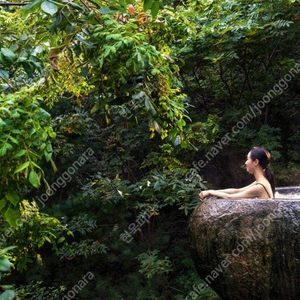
13, 3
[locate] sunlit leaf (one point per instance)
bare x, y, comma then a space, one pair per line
12, 215
19, 153
13, 197
49, 7
4, 265
22, 167
7, 295
6, 249
34, 179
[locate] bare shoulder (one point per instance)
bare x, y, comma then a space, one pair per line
265, 188
247, 186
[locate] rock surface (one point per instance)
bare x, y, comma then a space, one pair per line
248, 249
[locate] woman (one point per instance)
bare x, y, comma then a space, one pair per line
257, 163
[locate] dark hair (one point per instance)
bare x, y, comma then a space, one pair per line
264, 158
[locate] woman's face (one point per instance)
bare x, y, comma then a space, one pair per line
250, 164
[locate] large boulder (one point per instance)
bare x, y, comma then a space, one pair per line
248, 249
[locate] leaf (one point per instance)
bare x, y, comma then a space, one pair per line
104, 10
13, 140
47, 239
149, 105
7, 295
138, 96
9, 146
49, 7
2, 203
53, 165
4, 74
34, 179
2, 123
75, 5
154, 9
47, 155
99, 105
3, 150
147, 4
61, 239
9, 55
6, 249
49, 147
122, 3
15, 114
42, 114
108, 50
114, 36
155, 71
22, 167
2, 60
31, 5
13, 197
37, 166
16, 131
19, 153
70, 29
177, 140
23, 56
52, 134
28, 69
118, 8
4, 265
156, 126
12, 215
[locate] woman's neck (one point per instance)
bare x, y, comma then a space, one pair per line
259, 175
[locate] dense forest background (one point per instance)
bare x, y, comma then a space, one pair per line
114, 115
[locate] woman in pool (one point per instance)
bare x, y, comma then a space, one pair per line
257, 163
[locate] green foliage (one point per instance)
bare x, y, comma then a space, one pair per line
202, 133
148, 75
153, 5
250, 136
33, 231
86, 248
166, 159
286, 175
93, 51
35, 291
151, 265
5, 266
114, 74
266, 136
168, 187
25, 134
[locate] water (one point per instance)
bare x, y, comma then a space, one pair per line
287, 196
290, 192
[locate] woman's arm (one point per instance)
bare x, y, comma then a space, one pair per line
251, 192
234, 191
230, 191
